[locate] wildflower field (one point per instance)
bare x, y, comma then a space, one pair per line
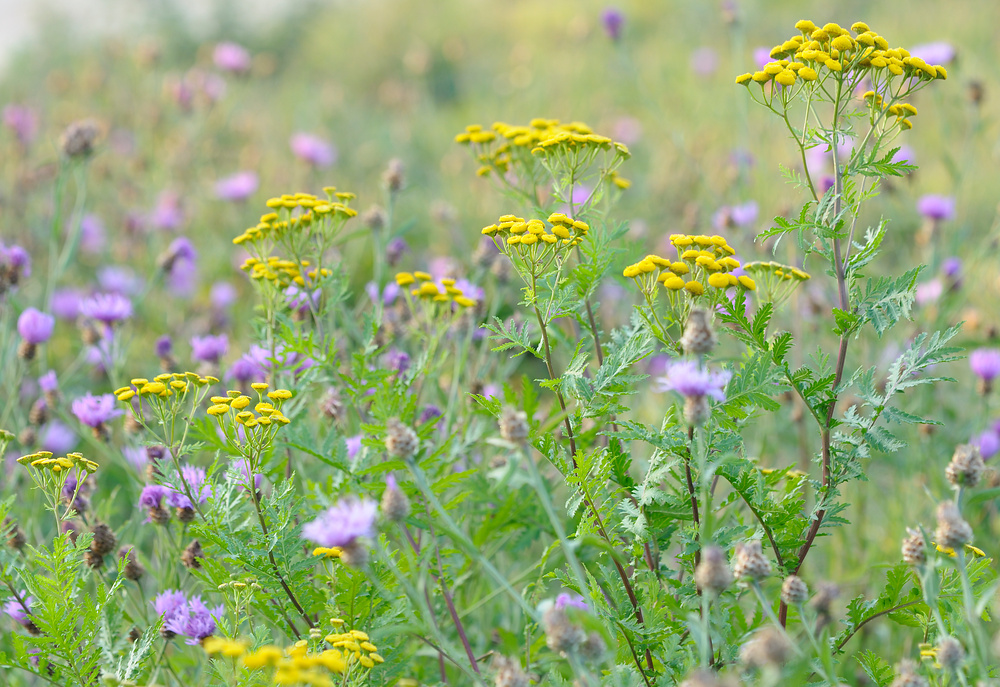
503, 343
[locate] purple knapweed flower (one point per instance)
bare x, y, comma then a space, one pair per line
222, 295
341, 525
15, 262
92, 234
34, 326
152, 496
928, 292
431, 412
905, 154
761, 56
118, 279
952, 267
938, 52
237, 187
168, 213
568, 600
397, 360
107, 308
704, 61
195, 478
66, 303
49, 383
170, 603
627, 129
353, 445
194, 620
246, 369
689, 380
395, 249
989, 443
135, 456
315, 150
58, 438
164, 346
22, 120
16, 609
232, 57
985, 363
936, 207
209, 349
613, 19
94, 411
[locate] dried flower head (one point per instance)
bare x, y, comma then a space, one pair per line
192, 555
698, 338
952, 531
950, 653
104, 539
133, 568
966, 466
513, 425
561, 634
750, 563
400, 439
395, 506
509, 672
713, 573
769, 647
907, 675
79, 137
794, 591
914, 548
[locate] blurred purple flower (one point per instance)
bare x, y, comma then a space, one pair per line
92, 234
66, 303
568, 600
22, 120
237, 187
397, 360
16, 261
627, 129
761, 56
170, 603
342, 524
939, 52
985, 363
430, 412
118, 279
317, 151
952, 267
222, 295
905, 154
94, 411
209, 349
704, 61
194, 621
231, 57
164, 346
137, 457
989, 443
745, 214
58, 438
353, 445
49, 383
389, 294
107, 308
152, 496
168, 213
195, 478
34, 326
395, 249
613, 19
16, 610
929, 292
689, 380
936, 207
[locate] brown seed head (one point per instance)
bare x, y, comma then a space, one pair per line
400, 440
794, 591
914, 548
769, 647
950, 653
907, 675
509, 673
561, 635
750, 563
513, 425
192, 555
79, 137
952, 531
713, 573
966, 466
698, 337
104, 539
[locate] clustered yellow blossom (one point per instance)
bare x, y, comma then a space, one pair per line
165, 395
538, 244
817, 54
426, 289
282, 272
950, 552
314, 214
43, 460
327, 552
775, 281
305, 662
259, 425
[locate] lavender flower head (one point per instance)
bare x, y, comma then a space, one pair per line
94, 411
223, 294
690, 380
343, 524
985, 363
567, 600
118, 279
22, 120
936, 207
952, 267
58, 438
164, 346
938, 52
237, 187
397, 360
168, 213
395, 250
107, 308
195, 478
66, 303
34, 326
988, 442
231, 57
315, 150
48, 382
353, 446
15, 262
209, 349
15, 609
194, 620
613, 19
152, 496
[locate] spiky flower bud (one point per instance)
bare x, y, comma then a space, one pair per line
561, 634
593, 648
400, 440
79, 137
769, 647
698, 337
394, 175
134, 635
966, 466
374, 218
39, 412
159, 515
93, 560
395, 506
104, 540
914, 548
185, 514
713, 573
509, 673
133, 569
192, 555
952, 531
950, 653
794, 591
826, 594
907, 676
513, 425
750, 563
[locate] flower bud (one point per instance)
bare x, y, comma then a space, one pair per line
713, 573
794, 591
750, 562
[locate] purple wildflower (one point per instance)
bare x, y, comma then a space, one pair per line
92, 234
193, 620
223, 294
568, 600
341, 525
49, 383
353, 445
690, 380
136, 456
66, 304
905, 154
34, 326
94, 411
628, 130
761, 56
58, 438
936, 207
237, 187
15, 609
938, 52
989, 443
315, 150
395, 250
168, 213
209, 349
704, 61
952, 267
613, 19
118, 279
22, 120
929, 292
745, 214
429, 413
231, 57
107, 307
985, 363
15, 262
169, 604
195, 478
164, 346
152, 496
397, 360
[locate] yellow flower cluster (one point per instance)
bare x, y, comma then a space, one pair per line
533, 240
830, 51
281, 272
43, 460
328, 552
280, 223
426, 289
777, 281
258, 429
703, 262
498, 147
298, 664
163, 385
